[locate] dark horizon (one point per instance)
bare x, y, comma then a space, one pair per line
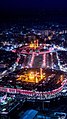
42, 15
43, 10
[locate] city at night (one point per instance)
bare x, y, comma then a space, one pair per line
33, 59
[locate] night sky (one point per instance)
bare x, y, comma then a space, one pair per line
26, 8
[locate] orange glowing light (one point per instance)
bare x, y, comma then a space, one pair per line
31, 45
32, 77
34, 45
61, 78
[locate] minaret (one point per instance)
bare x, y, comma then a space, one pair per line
36, 78
41, 73
37, 43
